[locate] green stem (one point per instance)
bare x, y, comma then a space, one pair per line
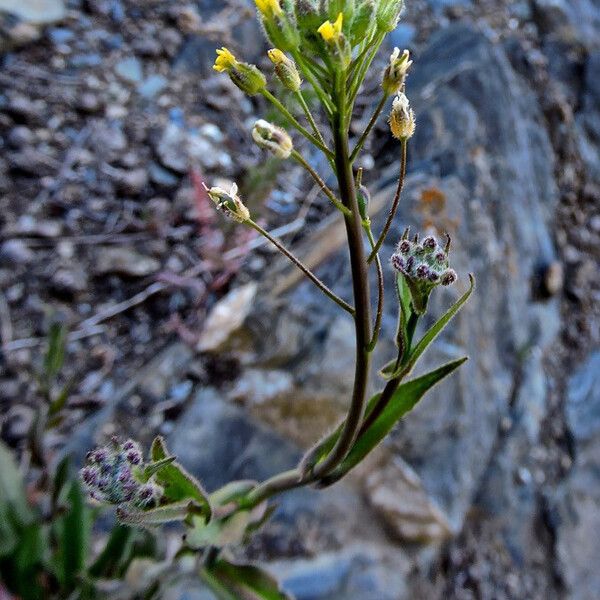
367, 131
294, 123
299, 159
313, 80
395, 203
380, 293
343, 304
309, 116
360, 284
392, 384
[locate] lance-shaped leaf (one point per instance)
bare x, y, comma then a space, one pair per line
326, 444
229, 530
156, 516
55, 354
404, 399
230, 581
154, 467
178, 484
391, 371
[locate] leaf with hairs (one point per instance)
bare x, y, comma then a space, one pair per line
178, 484
404, 399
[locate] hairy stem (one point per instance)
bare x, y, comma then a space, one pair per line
342, 303
395, 203
380, 293
360, 284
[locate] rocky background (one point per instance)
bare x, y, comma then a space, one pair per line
184, 325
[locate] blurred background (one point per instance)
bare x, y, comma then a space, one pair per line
181, 323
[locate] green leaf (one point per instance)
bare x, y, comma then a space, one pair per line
122, 546
178, 484
61, 479
59, 402
323, 447
231, 581
73, 535
155, 516
55, 354
155, 467
229, 530
416, 353
404, 399
12, 489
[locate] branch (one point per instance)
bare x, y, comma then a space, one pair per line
395, 203
343, 304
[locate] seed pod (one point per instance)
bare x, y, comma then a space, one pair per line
272, 138
229, 203
402, 118
285, 69
395, 73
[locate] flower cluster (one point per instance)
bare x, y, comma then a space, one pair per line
424, 266
425, 262
402, 118
112, 476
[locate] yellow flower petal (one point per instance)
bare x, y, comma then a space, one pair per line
269, 8
225, 60
331, 32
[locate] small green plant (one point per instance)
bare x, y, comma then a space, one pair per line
327, 46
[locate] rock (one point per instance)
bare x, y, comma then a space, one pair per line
20, 136
35, 11
576, 504
396, 493
13, 252
162, 177
226, 318
69, 282
581, 17
28, 225
124, 261
152, 86
129, 69
178, 149
132, 182
356, 573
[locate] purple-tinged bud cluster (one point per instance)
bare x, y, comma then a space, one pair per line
110, 476
424, 263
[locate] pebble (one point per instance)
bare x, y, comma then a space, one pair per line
129, 69
15, 252
124, 261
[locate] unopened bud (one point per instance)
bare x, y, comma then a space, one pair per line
402, 118
229, 203
285, 69
247, 77
395, 73
272, 138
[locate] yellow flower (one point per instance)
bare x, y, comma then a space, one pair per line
268, 8
332, 32
225, 60
277, 56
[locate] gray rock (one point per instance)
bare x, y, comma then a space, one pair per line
13, 252
124, 261
577, 501
129, 69
35, 11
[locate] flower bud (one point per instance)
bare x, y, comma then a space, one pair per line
423, 267
272, 138
247, 77
395, 73
229, 203
279, 27
285, 69
402, 118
